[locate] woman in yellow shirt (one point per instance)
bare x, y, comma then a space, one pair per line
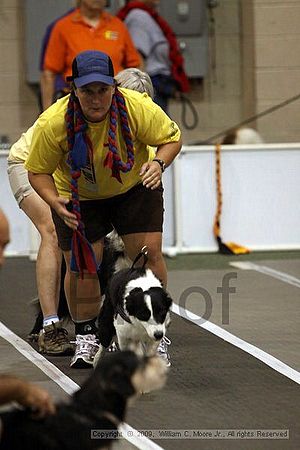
53, 339
92, 148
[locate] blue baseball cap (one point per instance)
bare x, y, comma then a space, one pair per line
91, 66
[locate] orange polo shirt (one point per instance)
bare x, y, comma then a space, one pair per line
72, 35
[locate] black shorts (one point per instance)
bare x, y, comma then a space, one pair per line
140, 210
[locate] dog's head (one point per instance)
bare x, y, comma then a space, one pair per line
125, 374
150, 309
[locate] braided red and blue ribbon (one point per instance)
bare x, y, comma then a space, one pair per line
113, 159
80, 155
80, 151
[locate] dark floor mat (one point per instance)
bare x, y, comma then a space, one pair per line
211, 386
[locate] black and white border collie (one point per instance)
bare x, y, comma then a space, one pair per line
100, 404
136, 310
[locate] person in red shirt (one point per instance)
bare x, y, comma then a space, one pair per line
158, 46
88, 27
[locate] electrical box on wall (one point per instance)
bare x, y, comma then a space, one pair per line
195, 53
38, 15
188, 19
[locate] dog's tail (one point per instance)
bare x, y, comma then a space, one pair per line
143, 254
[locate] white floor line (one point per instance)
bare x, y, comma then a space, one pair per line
282, 276
266, 358
67, 384
38, 360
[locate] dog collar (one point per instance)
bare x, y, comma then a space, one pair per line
121, 311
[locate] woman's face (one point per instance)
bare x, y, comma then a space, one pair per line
93, 4
95, 100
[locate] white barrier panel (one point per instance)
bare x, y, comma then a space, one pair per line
261, 207
19, 224
261, 191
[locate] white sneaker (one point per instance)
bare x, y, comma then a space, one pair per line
162, 350
86, 348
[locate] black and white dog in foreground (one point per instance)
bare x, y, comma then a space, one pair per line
99, 405
136, 310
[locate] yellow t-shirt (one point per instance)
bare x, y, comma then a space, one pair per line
19, 151
149, 126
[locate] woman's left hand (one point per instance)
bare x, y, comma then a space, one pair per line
151, 175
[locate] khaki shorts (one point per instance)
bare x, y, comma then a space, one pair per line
140, 210
18, 180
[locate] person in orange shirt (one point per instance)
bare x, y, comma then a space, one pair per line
88, 27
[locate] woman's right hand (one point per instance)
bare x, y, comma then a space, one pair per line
44, 185
68, 217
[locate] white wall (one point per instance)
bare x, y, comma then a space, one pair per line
261, 191
19, 224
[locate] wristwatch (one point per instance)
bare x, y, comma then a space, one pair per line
161, 163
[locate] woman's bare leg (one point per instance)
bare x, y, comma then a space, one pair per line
133, 244
84, 296
49, 255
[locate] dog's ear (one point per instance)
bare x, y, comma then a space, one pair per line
136, 305
133, 300
168, 300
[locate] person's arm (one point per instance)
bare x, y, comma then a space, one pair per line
168, 152
139, 25
44, 185
151, 172
157, 130
132, 57
26, 394
47, 88
42, 161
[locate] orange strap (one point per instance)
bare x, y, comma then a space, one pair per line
217, 227
229, 247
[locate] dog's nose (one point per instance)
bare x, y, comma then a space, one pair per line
158, 335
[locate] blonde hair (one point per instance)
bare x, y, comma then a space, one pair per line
136, 80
